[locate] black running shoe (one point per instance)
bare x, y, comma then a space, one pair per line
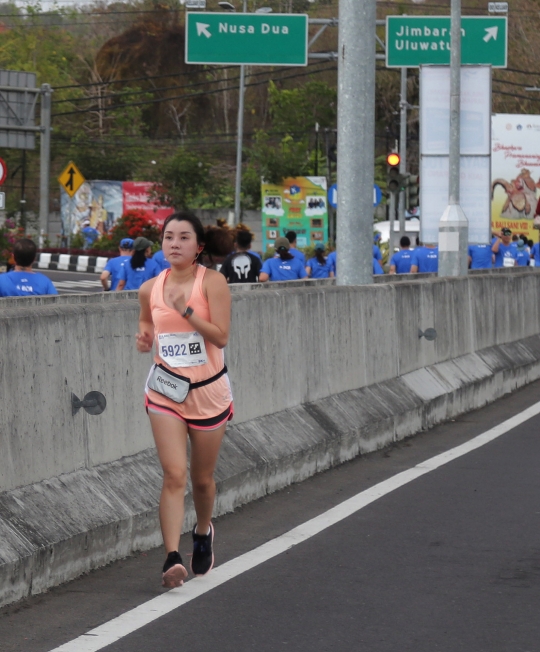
174, 572
203, 554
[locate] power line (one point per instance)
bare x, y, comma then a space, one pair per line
164, 88
191, 95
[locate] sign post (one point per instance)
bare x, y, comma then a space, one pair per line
413, 41
71, 179
249, 39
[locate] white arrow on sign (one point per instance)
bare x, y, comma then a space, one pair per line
491, 33
202, 28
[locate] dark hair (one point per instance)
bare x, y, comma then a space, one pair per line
138, 259
244, 239
284, 254
186, 216
515, 238
24, 252
405, 241
530, 243
319, 255
291, 236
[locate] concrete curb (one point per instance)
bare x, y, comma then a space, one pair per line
69, 263
52, 531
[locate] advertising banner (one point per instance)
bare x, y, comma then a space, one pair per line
298, 204
138, 196
104, 202
100, 202
515, 173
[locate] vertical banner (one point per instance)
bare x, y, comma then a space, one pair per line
515, 173
298, 204
475, 149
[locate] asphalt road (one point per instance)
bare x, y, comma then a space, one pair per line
447, 562
73, 282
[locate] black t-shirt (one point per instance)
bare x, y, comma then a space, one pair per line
241, 267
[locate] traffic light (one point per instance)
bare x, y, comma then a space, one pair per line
413, 192
395, 182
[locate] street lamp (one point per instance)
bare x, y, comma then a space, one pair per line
238, 185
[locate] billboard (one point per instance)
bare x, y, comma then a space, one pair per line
475, 149
104, 202
515, 173
297, 204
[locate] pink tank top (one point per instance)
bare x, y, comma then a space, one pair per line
203, 402
167, 320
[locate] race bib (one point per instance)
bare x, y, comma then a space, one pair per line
182, 349
508, 261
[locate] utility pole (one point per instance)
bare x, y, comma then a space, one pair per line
45, 161
402, 148
454, 226
356, 141
239, 141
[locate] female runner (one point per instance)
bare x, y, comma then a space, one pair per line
185, 311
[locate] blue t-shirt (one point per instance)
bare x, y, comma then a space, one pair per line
523, 256
402, 260
25, 284
481, 256
509, 252
331, 260
377, 269
318, 270
535, 252
90, 234
426, 259
284, 270
298, 255
113, 267
134, 278
160, 260
254, 253
377, 254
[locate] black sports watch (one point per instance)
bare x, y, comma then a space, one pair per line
187, 312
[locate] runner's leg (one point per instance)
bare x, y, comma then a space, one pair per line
170, 435
205, 446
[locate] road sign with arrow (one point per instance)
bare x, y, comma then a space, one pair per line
71, 179
251, 39
413, 41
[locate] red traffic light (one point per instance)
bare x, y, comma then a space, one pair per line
393, 159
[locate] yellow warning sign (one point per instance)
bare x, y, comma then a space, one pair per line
71, 179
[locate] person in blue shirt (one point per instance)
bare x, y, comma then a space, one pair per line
425, 259
480, 256
377, 268
535, 255
401, 261
523, 254
504, 249
23, 281
112, 268
291, 237
160, 260
318, 267
377, 253
90, 234
140, 268
283, 268
331, 260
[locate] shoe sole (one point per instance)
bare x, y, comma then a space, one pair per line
174, 577
212, 564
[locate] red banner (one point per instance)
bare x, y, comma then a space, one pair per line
137, 196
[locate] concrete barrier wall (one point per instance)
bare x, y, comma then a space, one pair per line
289, 346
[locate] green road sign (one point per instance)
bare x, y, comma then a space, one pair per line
251, 39
413, 41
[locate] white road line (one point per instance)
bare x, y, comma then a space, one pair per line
108, 633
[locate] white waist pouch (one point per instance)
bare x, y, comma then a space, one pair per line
173, 386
